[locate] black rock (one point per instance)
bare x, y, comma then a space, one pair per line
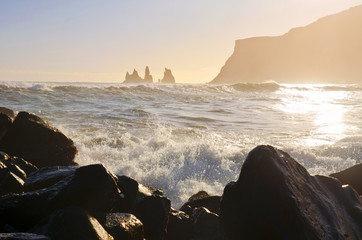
17, 171
198, 195
124, 226
205, 225
35, 140
47, 176
5, 124
351, 176
91, 187
212, 203
71, 223
22, 236
25, 166
10, 182
129, 190
153, 211
144, 190
179, 226
276, 198
7, 112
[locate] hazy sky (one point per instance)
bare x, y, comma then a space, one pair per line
94, 40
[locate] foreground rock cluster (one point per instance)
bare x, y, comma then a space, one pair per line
44, 195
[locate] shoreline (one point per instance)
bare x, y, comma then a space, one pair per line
40, 196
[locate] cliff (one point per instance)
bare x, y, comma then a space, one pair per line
326, 51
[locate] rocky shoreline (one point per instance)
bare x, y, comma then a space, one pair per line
45, 195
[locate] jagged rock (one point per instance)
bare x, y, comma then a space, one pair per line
25, 166
22, 236
276, 198
124, 226
153, 211
179, 226
10, 182
129, 189
71, 223
351, 176
35, 140
148, 77
91, 187
144, 191
133, 78
202, 199
47, 176
7, 112
17, 171
168, 77
205, 225
198, 195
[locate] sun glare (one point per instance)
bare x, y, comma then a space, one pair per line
320, 110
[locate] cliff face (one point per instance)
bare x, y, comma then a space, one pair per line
326, 51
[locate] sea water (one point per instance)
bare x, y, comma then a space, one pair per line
183, 138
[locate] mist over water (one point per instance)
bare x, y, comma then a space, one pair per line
185, 138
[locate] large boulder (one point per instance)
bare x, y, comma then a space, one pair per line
35, 140
47, 176
90, 187
351, 176
276, 198
72, 223
7, 112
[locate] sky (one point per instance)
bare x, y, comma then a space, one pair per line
99, 41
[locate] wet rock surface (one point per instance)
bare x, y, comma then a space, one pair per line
276, 198
8, 112
351, 176
47, 176
35, 140
22, 236
124, 226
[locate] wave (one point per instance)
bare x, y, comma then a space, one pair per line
176, 90
183, 161
267, 86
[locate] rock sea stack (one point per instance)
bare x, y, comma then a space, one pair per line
135, 78
168, 77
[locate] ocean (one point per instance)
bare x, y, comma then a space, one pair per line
183, 138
